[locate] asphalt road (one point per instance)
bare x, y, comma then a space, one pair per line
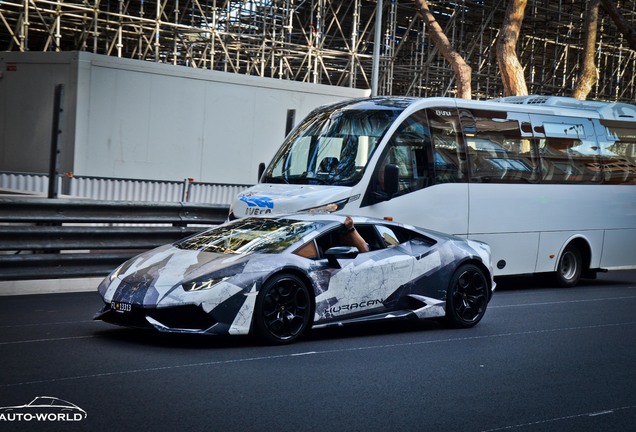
543, 359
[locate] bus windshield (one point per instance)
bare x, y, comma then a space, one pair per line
330, 147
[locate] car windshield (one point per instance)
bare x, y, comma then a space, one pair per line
331, 147
250, 235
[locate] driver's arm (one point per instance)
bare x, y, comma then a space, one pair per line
353, 237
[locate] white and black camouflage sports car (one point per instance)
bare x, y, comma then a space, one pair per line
276, 277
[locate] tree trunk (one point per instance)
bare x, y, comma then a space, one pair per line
460, 67
514, 82
626, 29
589, 73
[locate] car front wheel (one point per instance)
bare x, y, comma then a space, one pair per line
467, 297
283, 310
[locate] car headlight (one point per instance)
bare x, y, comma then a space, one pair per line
201, 285
116, 272
328, 208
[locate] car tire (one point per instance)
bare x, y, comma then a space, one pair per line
283, 310
466, 297
569, 267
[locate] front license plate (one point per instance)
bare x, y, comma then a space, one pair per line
121, 307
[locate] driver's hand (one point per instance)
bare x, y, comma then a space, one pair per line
348, 223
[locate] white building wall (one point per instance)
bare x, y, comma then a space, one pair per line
27, 87
133, 119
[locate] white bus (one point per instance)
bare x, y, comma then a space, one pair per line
548, 182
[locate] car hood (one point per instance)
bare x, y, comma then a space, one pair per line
169, 266
151, 276
267, 198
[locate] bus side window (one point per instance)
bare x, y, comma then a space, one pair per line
617, 144
408, 150
449, 159
499, 149
569, 154
523, 153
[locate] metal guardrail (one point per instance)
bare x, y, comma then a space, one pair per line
121, 189
60, 238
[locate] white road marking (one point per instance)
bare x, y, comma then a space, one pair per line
491, 306
559, 419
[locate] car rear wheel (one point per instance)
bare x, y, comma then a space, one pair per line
569, 267
467, 297
283, 310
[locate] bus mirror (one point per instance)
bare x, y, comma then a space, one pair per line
261, 170
391, 179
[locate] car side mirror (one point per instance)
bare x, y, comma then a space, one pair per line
340, 252
391, 179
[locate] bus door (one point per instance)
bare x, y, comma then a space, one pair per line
427, 156
571, 205
503, 167
617, 143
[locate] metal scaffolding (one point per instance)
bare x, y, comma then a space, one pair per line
331, 41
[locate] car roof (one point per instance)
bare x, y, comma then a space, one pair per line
339, 218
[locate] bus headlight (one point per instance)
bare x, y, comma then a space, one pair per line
328, 208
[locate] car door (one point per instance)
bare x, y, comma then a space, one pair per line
362, 284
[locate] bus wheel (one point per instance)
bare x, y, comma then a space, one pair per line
569, 268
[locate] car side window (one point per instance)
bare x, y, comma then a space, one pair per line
420, 246
337, 237
309, 250
377, 237
389, 237
393, 235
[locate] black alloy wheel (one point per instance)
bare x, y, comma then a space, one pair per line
283, 310
467, 297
